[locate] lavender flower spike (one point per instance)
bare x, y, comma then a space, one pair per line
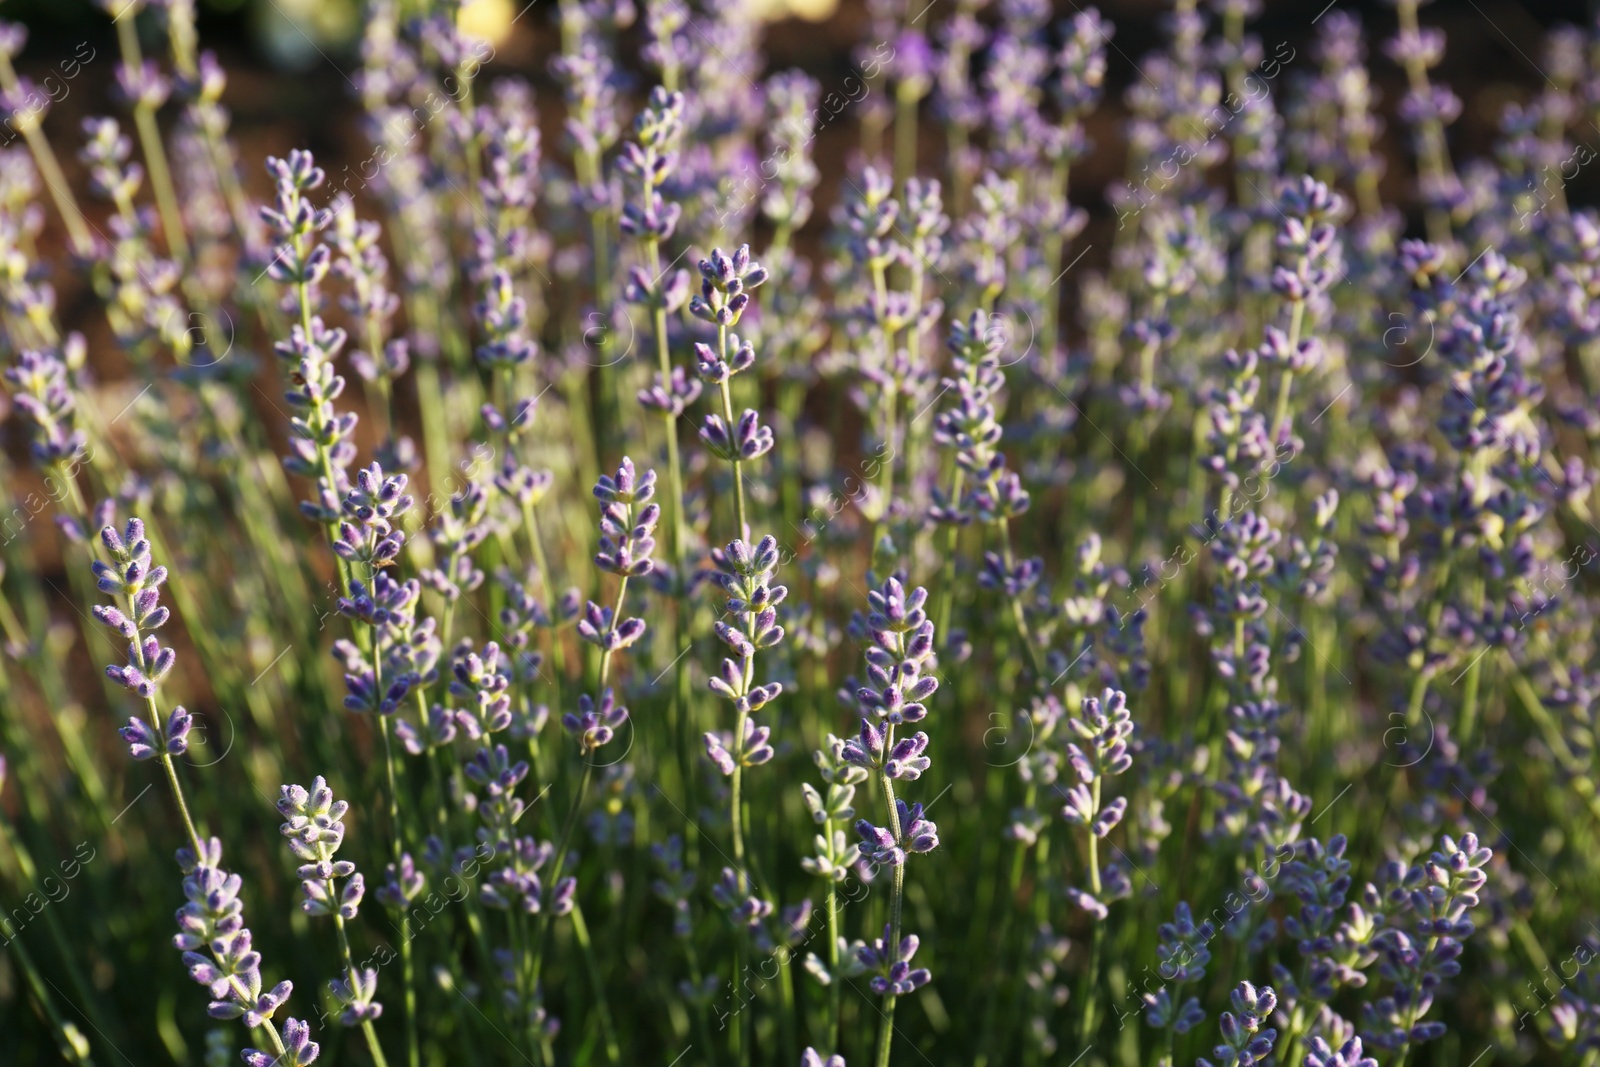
314, 828
751, 623
894, 974
131, 578
1347, 1055
1104, 727
136, 584
1244, 1041
725, 284
215, 943
299, 1051
627, 521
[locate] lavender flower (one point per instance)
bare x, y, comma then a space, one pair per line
314, 828
354, 993
812, 1058
1183, 952
1245, 1042
732, 895
595, 724
1438, 893
626, 540
517, 884
367, 535
299, 1049
213, 920
1105, 727
834, 857
885, 847
892, 973
625, 547
1319, 1054
42, 393
136, 585
725, 285
402, 884
750, 626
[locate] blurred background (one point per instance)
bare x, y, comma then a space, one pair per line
291, 68
289, 61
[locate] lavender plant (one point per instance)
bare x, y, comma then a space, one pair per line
1228, 519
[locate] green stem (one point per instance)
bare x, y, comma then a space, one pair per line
580, 931
832, 1029
727, 414
367, 1029
155, 154
905, 132
891, 945
1280, 414
44, 158
1091, 978
1018, 616
558, 864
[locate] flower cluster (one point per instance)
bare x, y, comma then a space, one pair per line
625, 547
1437, 894
1169, 531
831, 810
313, 826
970, 427
136, 585
1104, 727
1183, 952
216, 945
889, 962
42, 390
1244, 1040
750, 625
320, 443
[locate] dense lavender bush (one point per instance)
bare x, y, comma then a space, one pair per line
983, 621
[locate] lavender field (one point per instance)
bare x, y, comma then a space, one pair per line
621, 551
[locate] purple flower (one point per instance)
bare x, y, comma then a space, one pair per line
650, 160
725, 285
812, 1058
751, 750
900, 659
748, 439
595, 724
1319, 1054
314, 828
354, 992
402, 884
212, 921
145, 742
626, 535
517, 884
715, 369
132, 579
1436, 895
600, 627
673, 395
504, 317
366, 535
893, 973
882, 845
744, 908
42, 392
481, 681
299, 1049
1244, 1041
